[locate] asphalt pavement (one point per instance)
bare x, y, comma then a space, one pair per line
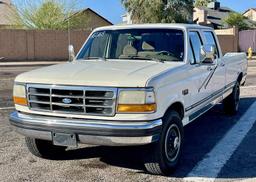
217, 148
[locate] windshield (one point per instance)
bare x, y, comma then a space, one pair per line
140, 44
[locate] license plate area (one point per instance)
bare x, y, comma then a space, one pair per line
64, 139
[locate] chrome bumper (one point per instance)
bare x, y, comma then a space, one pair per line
96, 132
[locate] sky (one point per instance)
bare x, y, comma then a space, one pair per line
113, 9
110, 9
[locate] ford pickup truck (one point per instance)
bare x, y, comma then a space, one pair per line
128, 86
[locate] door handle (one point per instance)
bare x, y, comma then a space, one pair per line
222, 64
209, 68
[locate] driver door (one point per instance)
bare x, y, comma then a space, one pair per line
214, 87
197, 72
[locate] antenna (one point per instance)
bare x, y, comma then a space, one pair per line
69, 33
71, 53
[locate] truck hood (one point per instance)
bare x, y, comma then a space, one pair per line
113, 73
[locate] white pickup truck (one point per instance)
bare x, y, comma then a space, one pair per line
129, 85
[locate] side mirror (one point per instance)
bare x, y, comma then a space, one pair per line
208, 54
71, 53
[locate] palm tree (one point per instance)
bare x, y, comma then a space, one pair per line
159, 11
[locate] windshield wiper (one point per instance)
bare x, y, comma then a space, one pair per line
157, 60
146, 58
162, 60
98, 58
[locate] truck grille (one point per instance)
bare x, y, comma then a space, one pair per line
72, 99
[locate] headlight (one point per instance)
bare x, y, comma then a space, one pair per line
19, 94
136, 101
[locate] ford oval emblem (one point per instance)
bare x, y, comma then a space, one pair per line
66, 101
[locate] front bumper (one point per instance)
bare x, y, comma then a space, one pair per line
96, 132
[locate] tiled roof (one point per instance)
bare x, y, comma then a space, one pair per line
217, 16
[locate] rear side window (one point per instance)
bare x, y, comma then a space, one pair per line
196, 44
210, 39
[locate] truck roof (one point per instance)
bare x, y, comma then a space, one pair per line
159, 25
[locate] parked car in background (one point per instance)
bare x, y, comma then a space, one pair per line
129, 85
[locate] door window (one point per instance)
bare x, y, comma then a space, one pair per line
191, 55
196, 43
210, 39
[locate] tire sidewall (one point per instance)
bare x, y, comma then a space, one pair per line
44, 149
231, 103
170, 119
236, 92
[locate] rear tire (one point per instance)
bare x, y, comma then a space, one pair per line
44, 149
163, 156
231, 103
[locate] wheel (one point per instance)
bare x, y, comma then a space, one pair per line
164, 156
231, 103
43, 148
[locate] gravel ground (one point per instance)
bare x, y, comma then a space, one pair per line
90, 163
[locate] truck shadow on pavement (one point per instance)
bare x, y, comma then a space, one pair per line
200, 137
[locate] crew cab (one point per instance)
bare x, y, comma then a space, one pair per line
128, 86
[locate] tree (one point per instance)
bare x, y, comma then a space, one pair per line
47, 14
202, 3
238, 20
159, 11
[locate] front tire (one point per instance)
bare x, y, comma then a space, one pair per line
44, 149
231, 103
163, 156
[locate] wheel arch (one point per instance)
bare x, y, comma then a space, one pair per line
178, 107
240, 77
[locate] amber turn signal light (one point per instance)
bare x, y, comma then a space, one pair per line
136, 108
20, 101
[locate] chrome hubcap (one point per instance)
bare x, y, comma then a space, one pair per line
176, 142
